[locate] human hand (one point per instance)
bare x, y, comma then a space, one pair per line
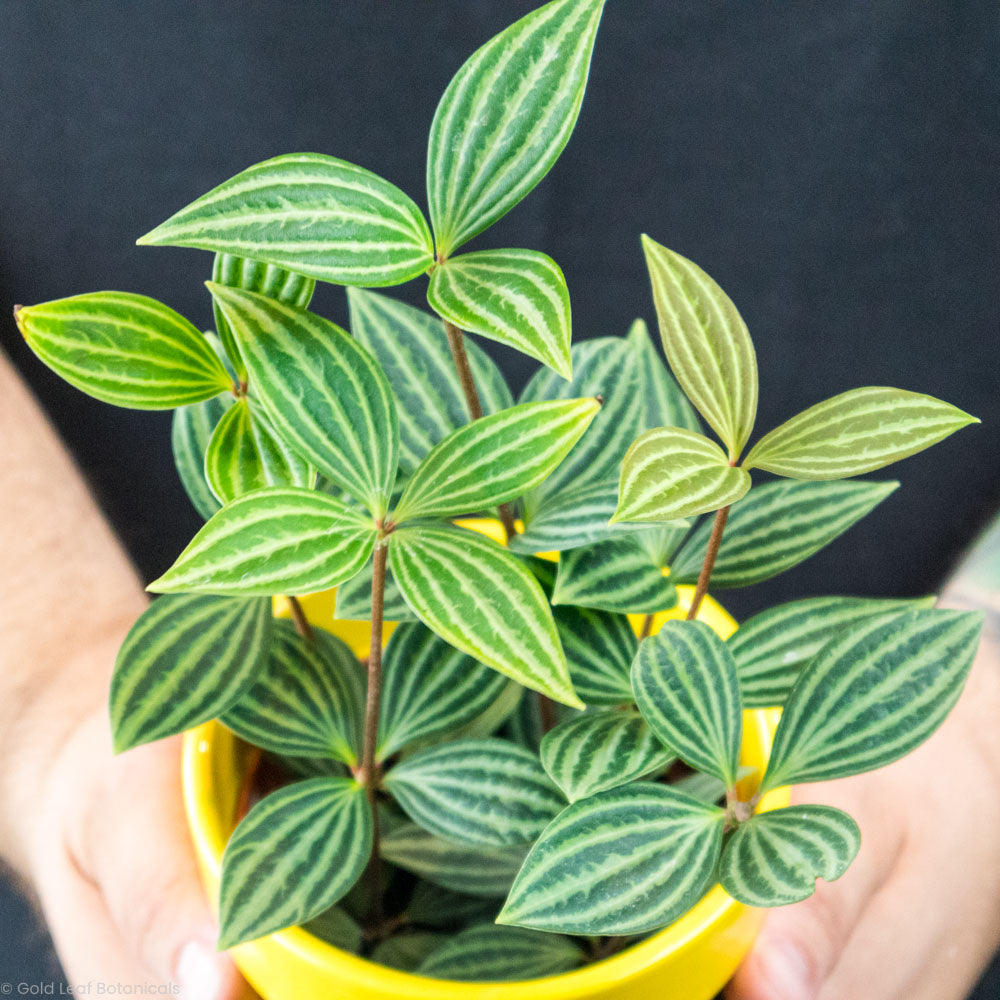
917, 916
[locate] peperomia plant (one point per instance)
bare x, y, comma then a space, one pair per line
527, 777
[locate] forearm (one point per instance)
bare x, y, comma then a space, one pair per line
69, 596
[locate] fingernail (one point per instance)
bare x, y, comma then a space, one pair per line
199, 972
787, 973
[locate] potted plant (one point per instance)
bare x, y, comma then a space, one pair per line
504, 735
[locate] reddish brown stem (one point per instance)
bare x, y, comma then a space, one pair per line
547, 711
647, 627
711, 554
456, 341
302, 625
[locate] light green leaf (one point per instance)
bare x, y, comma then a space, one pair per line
323, 392
412, 348
490, 954
873, 694
856, 432
600, 647
487, 722
124, 349
295, 854
190, 432
686, 688
706, 343
429, 687
184, 661
777, 526
670, 473
338, 928
616, 575
772, 648
666, 404
406, 950
487, 792
274, 541
482, 600
479, 871
505, 118
312, 214
601, 750
624, 861
775, 858
308, 700
254, 276
354, 599
517, 297
495, 459
432, 906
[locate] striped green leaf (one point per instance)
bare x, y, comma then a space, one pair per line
487, 953
412, 348
336, 927
873, 694
432, 906
624, 861
184, 661
686, 688
517, 297
666, 404
570, 519
190, 432
670, 472
323, 392
771, 648
274, 541
429, 687
706, 343
601, 750
703, 787
486, 872
505, 118
856, 432
313, 214
245, 454
775, 858
777, 526
265, 279
407, 950
308, 700
124, 349
495, 459
616, 575
491, 719
354, 599
295, 854
487, 792
482, 600
600, 647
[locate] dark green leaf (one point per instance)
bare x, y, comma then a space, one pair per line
190, 433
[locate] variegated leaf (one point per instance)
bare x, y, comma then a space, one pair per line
571, 519
432, 906
185, 661
124, 349
190, 432
295, 854
482, 600
495, 459
323, 392
624, 861
265, 279
429, 687
312, 214
487, 953
487, 792
412, 348
517, 297
670, 472
772, 648
873, 694
706, 343
407, 949
856, 432
775, 858
600, 647
601, 750
666, 404
354, 599
336, 927
479, 871
274, 541
308, 700
775, 527
505, 118
686, 688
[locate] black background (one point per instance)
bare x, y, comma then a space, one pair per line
832, 165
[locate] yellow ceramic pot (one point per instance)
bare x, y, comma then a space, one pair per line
690, 960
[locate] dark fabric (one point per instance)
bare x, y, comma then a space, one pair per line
833, 166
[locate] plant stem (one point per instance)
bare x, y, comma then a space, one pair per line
714, 541
547, 711
647, 627
302, 625
456, 341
